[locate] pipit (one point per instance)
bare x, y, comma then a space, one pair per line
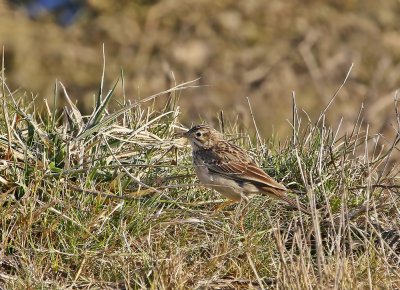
228, 169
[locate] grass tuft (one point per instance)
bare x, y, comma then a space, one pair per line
109, 200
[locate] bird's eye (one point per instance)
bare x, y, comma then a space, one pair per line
198, 134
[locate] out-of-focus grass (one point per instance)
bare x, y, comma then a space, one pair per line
109, 200
258, 49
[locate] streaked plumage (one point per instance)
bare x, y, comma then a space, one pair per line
228, 169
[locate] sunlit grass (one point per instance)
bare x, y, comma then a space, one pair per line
109, 200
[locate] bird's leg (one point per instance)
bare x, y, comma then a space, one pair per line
242, 209
224, 205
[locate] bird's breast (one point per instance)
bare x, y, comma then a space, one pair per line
228, 187
202, 173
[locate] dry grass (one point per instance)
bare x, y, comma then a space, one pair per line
109, 201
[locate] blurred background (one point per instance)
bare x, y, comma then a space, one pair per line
258, 49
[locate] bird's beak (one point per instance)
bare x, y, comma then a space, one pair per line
181, 134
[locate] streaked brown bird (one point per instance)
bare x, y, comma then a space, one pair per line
228, 169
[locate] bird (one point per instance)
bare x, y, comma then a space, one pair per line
228, 169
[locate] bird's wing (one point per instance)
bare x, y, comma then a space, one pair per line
234, 163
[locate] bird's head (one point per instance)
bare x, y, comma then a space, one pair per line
202, 137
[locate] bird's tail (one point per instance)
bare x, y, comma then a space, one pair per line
281, 195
